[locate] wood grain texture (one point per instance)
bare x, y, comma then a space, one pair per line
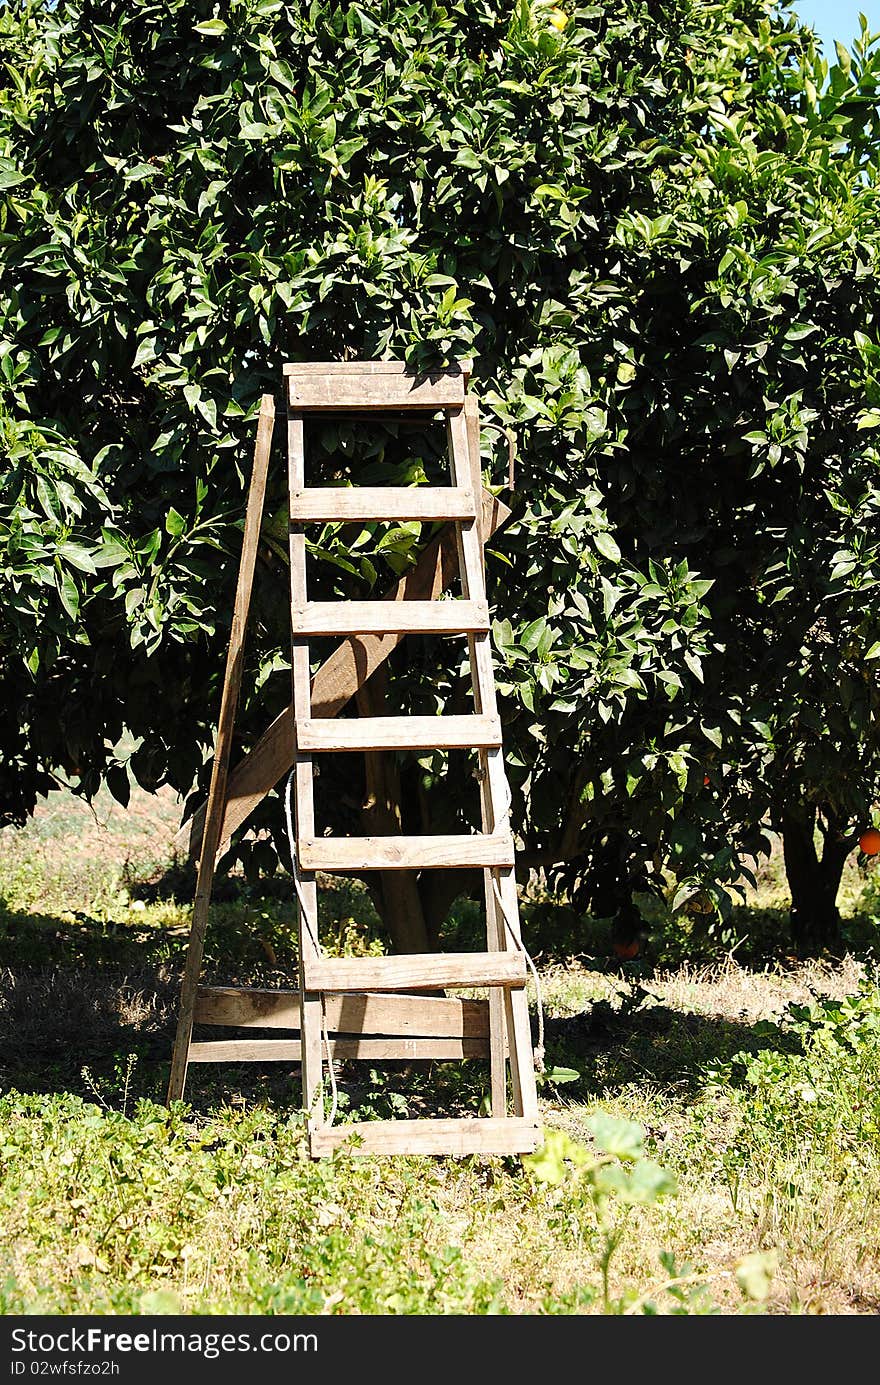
356, 368
431, 970
496, 939
502, 909
351, 1048
308, 393
369, 1013
381, 617
336, 503
398, 733
453, 1137
311, 1008
404, 853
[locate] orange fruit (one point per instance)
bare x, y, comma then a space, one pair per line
626, 951
559, 19
869, 841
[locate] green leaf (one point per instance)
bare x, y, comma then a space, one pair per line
549, 1164
622, 1138
119, 784
67, 590
874, 651
146, 352
685, 891
211, 27
641, 1186
48, 498
77, 555
558, 1075
531, 636
174, 523
607, 546
694, 665
160, 1301
754, 1273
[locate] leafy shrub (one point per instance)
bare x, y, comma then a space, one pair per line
653, 227
824, 1094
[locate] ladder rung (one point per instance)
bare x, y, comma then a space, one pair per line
404, 853
385, 617
431, 970
378, 503
397, 733
484, 1135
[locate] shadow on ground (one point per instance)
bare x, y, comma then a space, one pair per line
641, 1040
90, 1007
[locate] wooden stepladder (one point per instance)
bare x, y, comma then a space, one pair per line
382, 1007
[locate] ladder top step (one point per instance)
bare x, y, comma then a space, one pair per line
463, 367
397, 733
483, 1135
386, 617
324, 503
359, 387
340, 854
428, 970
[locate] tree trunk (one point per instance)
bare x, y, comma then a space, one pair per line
439, 889
398, 897
813, 880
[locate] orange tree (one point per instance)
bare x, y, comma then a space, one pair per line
653, 226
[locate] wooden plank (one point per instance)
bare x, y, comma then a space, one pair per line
380, 617
361, 391
342, 854
509, 1019
370, 1013
222, 747
311, 1009
348, 503
334, 685
352, 1048
463, 367
398, 733
496, 939
431, 970
247, 1007
452, 1137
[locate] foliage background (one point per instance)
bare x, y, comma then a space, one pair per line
655, 229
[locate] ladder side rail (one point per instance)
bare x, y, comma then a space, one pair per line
311, 1006
495, 939
522, 1073
216, 803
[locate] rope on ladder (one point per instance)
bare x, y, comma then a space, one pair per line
539, 997
518, 942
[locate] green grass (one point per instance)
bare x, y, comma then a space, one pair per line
765, 1117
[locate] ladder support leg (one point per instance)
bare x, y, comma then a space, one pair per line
216, 805
497, 1008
